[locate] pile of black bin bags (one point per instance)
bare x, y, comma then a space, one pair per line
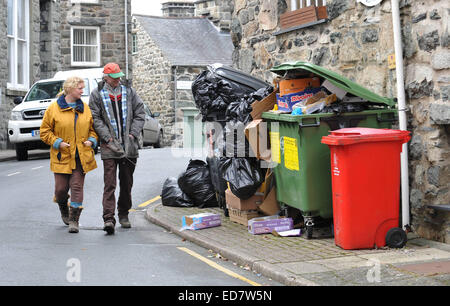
215, 95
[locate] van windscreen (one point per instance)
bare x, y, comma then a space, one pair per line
43, 91
49, 90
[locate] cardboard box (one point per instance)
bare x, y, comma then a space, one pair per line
296, 85
265, 105
250, 204
286, 102
264, 225
200, 221
242, 216
270, 204
257, 136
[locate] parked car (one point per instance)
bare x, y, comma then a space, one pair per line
26, 117
152, 134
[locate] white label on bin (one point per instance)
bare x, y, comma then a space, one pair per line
336, 171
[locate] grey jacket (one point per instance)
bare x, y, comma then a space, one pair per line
134, 124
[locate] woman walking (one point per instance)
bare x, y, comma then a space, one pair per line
67, 129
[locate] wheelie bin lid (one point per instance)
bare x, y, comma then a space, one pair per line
299, 68
237, 76
348, 136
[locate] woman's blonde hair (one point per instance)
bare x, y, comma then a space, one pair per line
70, 84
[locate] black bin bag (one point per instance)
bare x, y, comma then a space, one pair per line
243, 174
172, 195
196, 183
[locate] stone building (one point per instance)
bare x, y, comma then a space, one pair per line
356, 41
41, 37
218, 11
170, 52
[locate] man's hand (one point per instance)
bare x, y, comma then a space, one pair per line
88, 143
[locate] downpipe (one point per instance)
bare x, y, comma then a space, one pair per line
401, 112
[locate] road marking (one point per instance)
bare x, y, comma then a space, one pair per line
11, 174
35, 168
218, 267
149, 201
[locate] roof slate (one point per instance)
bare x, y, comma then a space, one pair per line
188, 41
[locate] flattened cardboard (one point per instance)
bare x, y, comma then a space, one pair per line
258, 138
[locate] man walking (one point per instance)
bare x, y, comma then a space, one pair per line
119, 117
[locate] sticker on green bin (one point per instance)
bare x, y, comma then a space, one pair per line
275, 146
291, 153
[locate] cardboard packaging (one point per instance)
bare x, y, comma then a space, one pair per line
264, 225
257, 136
270, 204
250, 204
265, 105
286, 102
242, 216
296, 85
200, 221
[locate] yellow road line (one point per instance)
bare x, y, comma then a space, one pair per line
218, 267
149, 201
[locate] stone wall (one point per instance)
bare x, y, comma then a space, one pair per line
218, 11
356, 42
426, 48
106, 14
7, 95
154, 85
4, 105
50, 39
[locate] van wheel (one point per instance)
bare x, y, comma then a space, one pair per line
21, 154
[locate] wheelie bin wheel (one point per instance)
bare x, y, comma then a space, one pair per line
309, 232
396, 238
309, 224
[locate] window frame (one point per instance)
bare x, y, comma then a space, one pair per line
304, 14
134, 43
14, 85
98, 45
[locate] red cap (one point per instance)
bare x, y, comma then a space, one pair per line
113, 70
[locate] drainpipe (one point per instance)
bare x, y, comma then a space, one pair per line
401, 111
126, 38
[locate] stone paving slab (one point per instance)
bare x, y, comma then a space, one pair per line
299, 261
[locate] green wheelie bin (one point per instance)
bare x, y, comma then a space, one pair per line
302, 171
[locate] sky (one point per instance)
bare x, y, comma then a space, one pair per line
146, 7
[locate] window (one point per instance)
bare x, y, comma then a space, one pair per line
303, 13
18, 44
85, 46
134, 45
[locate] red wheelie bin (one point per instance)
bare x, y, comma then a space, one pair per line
365, 171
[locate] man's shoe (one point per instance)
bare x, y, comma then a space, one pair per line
109, 228
125, 222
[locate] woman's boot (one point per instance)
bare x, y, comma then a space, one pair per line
74, 217
64, 209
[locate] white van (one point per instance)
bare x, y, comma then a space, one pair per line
26, 117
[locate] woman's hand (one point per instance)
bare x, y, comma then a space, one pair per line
63, 145
88, 143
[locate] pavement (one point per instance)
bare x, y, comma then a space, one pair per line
297, 261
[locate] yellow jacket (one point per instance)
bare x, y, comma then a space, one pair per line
59, 125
